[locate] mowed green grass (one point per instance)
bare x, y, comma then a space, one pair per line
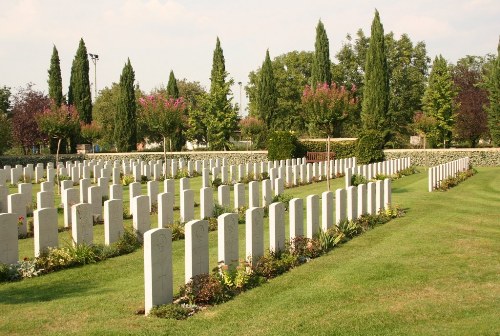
435, 271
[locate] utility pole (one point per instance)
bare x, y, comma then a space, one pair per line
241, 109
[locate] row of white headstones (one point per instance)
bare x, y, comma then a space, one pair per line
350, 204
45, 219
441, 172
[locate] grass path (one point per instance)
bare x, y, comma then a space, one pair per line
434, 271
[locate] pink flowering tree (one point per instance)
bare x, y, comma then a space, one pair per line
326, 107
163, 116
59, 122
251, 128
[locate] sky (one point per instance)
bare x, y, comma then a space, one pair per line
163, 35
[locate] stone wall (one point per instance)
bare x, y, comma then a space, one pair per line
233, 157
433, 157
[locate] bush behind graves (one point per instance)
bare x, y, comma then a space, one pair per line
283, 145
370, 147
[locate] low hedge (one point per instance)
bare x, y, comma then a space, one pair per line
342, 149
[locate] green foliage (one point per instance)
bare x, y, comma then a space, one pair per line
79, 87
221, 119
272, 264
283, 145
9, 272
292, 72
127, 179
125, 130
342, 149
284, 198
5, 133
172, 88
453, 181
375, 103
219, 210
492, 85
171, 311
438, 101
357, 180
370, 147
177, 229
253, 129
267, 96
55, 79
321, 67
204, 289
305, 248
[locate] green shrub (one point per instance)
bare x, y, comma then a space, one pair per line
357, 180
216, 182
177, 229
283, 145
171, 311
127, 179
204, 289
305, 248
9, 273
342, 149
273, 264
284, 198
370, 147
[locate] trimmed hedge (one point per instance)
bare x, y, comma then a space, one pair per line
342, 149
283, 145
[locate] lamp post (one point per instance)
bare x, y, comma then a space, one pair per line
94, 59
241, 110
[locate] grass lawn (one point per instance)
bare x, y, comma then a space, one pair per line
434, 271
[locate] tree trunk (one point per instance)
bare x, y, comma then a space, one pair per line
328, 163
165, 154
57, 168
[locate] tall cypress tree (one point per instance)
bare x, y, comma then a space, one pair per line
55, 79
172, 88
438, 100
375, 103
221, 117
492, 85
321, 67
126, 115
79, 86
267, 96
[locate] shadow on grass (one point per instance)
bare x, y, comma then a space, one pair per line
37, 292
399, 190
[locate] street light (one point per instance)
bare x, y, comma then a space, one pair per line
94, 59
241, 110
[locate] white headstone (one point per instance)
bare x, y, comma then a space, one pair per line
17, 206
253, 194
352, 203
153, 191
224, 195
158, 276
340, 205
312, 220
196, 253
277, 226
113, 220
227, 236
45, 229
187, 205
9, 248
82, 224
239, 195
206, 202
326, 210
44, 199
296, 209
165, 209
254, 233
141, 221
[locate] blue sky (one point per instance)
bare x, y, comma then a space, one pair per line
162, 35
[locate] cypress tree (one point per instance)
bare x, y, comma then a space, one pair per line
321, 67
55, 79
221, 117
438, 100
267, 99
172, 88
375, 103
79, 87
492, 85
126, 115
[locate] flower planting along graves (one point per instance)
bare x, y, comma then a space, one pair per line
448, 174
196, 249
45, 229
158, 275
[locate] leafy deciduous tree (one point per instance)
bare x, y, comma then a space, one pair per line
438, 100
252, 128
492, 85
